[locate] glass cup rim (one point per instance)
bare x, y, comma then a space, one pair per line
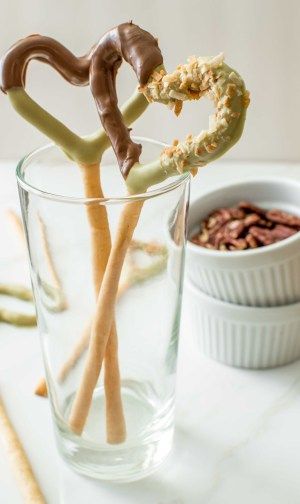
180, 179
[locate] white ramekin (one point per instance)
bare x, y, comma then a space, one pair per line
243, 336
267, 276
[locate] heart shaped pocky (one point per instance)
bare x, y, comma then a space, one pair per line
200, 77
97, 68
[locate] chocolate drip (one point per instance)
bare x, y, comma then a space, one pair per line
99, 67
140, 49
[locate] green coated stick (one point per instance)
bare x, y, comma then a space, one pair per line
17, 291
13, 317
17, 319
85, 150
200, 77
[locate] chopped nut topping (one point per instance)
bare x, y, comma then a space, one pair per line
231, 90
178, 107
246, 99
205, 76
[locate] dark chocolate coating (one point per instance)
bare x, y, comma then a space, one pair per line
36, 47
99, 68
141, 51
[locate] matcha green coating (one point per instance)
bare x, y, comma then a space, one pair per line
212, 78
84, 150
98, 68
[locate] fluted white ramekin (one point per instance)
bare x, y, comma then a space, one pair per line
243, 336
267, 276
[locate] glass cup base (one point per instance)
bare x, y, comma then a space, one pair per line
148, 443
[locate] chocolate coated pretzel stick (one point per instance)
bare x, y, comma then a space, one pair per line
140, 49
208, 76
85, 151
136, 46
201, 77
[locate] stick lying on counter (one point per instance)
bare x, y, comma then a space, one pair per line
69, 364
17, 224
16, 318
61, 303
13, 317
55, 291
27, 484
17, 291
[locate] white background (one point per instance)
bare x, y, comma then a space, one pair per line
235, 443
259, 37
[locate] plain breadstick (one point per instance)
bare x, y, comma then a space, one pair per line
18, 225
57, 283
69, 364
79, 348
101, 246
16, 221
136, 276
41, 388
104, 316
28, 485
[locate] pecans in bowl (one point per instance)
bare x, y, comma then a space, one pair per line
244, 226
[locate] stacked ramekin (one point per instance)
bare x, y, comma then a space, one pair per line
245, 305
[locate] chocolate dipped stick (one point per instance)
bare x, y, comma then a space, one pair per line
141, 51
201, 77
130, 42
101, 245
86, 151
138, 48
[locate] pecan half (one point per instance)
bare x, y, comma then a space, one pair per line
285, 218
269, 236
249, 207
252, 242
251, 219
239, 244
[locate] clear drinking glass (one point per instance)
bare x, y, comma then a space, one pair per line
55, 213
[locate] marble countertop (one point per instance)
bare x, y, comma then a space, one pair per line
237, 437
